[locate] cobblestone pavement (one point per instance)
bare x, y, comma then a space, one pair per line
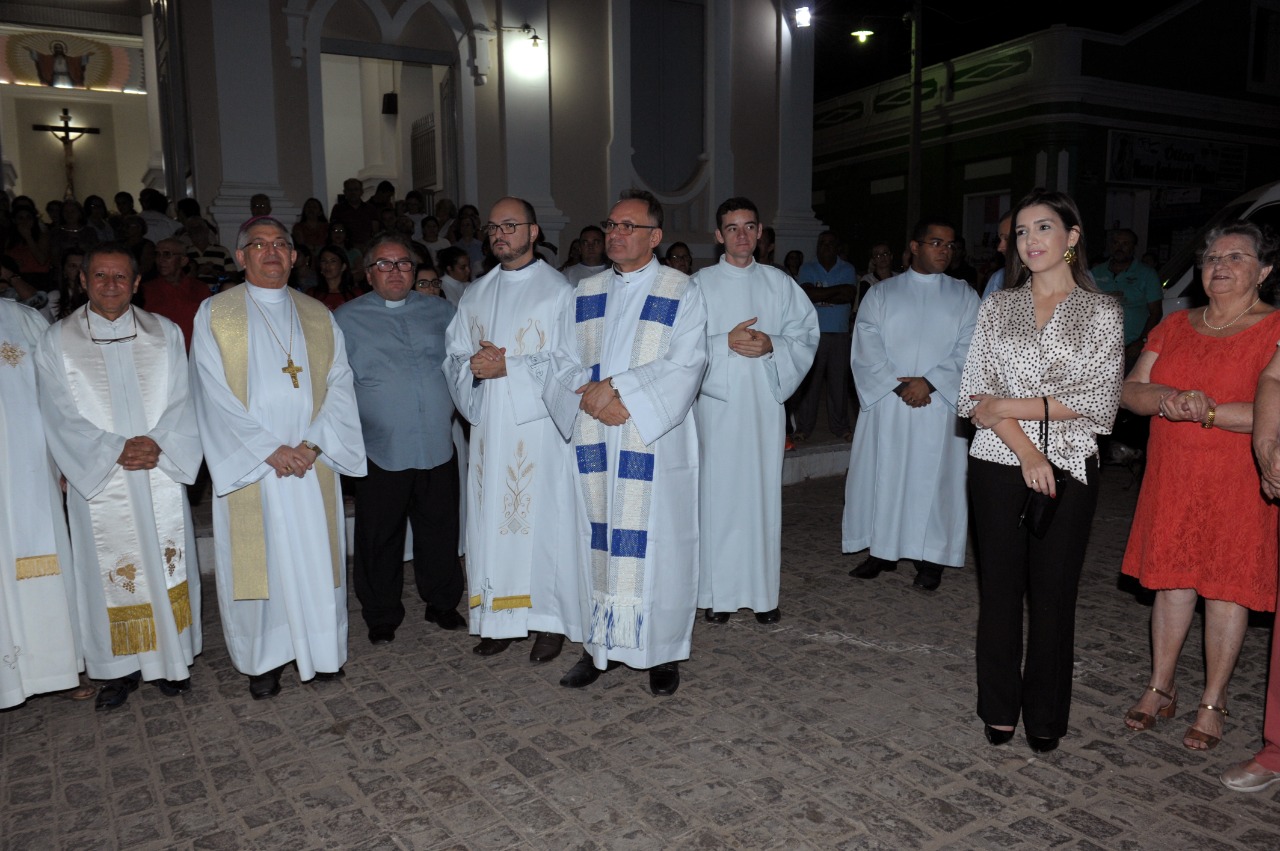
848, 725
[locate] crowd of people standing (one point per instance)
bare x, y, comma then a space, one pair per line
355, 347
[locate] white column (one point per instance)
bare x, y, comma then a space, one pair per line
794, 222
153, 177
245, 88
526, 102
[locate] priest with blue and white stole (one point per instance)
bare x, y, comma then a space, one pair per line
762, 333
631, 355
521, 485
905, 491
38, 624
279, 423
120, 424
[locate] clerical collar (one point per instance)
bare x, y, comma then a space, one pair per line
395, 304
636, 274
268, 295
522, 268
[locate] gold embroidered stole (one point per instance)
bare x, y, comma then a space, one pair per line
143, 523
229, 321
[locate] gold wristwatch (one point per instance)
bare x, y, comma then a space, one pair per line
312, 447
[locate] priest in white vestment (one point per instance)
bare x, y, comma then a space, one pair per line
39, 631
762, 333
521, 531
905, 491
121, 427
631, 355
279, 424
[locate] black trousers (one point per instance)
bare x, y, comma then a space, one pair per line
830, 370
1016, 568
385, 499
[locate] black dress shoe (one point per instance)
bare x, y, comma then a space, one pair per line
172, 688
716, 617
491, 646
263, 686
996, 737
664, 679
584, 672
771, 616
873, 567
114, 693
444, 618
382, 634
1043, 744
546, 647
329, 676
927, 580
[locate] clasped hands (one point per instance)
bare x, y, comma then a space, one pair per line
749, 343
917, 392
291, 461
601, 402
139, 453
1186, 406
489, 361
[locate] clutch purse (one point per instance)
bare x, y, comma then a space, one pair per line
1038, 510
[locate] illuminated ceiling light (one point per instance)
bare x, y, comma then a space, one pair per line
862, 35
804, 16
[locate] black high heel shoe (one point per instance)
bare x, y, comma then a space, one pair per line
1043, 744
996, 737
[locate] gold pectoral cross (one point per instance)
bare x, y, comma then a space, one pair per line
292, 371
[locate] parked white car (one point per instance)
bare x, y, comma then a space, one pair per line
1180, 276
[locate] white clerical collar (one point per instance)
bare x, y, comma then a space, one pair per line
645, 272
396, 304
268, 295
98, 322
736, 270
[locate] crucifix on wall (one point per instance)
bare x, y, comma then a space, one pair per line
64, 135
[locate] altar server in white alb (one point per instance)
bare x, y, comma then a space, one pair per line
39, 633
905, 492
762, 332
521, 526
279, 423
631, 355
121, 427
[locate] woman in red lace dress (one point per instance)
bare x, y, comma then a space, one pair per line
1202, 527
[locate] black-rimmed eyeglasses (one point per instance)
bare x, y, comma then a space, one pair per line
385, 265
624, 228
506, 227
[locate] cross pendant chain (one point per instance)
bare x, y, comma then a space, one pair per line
292, 371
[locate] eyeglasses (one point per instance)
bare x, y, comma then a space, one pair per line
385, 265
624, 228
427, 282
263, 245
1235, 258
107, 342
506, 227
938, 243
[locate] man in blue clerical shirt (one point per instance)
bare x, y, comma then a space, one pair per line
395, 343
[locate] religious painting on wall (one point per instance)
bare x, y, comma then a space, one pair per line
70, 61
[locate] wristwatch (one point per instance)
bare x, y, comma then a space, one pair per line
312, 447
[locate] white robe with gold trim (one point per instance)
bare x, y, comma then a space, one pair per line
39, 633
86, 452
304, 618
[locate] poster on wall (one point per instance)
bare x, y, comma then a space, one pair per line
70, 61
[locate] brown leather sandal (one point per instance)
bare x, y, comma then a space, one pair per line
1145, 721
1194, 735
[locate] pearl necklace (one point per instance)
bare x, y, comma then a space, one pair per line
1204, 317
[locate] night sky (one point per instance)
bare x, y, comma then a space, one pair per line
949, 30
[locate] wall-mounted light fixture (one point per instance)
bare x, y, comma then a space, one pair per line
804, 16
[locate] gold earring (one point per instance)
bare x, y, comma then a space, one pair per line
1070, 254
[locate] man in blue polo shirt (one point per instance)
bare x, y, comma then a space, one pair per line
831, 283
395, 344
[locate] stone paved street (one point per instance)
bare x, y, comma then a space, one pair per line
848, 725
